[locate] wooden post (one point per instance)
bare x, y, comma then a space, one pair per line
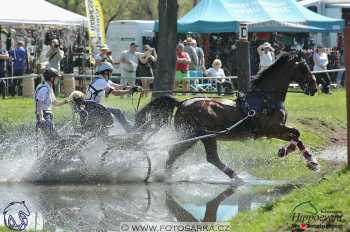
28, 86
347, 81
68, 84
243, 64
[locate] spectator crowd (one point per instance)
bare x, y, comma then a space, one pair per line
190, 65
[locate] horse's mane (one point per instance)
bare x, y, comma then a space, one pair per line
285, 57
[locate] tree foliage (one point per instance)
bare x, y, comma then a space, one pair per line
124, 9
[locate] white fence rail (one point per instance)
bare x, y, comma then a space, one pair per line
7, 82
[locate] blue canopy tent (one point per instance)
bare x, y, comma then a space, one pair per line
214, 16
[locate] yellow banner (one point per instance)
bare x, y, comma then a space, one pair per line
96, 23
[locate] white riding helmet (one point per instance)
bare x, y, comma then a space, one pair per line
105, 66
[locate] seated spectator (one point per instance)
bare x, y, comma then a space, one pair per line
182, 66
217, 71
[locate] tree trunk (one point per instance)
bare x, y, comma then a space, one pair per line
66, 4
167, 38
195, 2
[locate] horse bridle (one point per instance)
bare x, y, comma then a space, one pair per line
305, 84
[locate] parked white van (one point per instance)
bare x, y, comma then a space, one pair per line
121, 33
331, 8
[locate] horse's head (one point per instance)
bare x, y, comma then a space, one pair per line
76, 97
304, 77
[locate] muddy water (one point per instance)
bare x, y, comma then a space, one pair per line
97, 207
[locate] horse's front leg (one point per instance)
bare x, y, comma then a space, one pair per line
293, 135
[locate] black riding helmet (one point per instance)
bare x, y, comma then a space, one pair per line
50, 73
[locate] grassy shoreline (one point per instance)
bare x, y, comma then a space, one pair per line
330, 194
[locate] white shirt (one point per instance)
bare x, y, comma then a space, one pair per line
100, 85
45, 95
321, 61
56, 57
266, 59
212, 72
132, 58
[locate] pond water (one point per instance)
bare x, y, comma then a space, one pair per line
196, 192
103, 207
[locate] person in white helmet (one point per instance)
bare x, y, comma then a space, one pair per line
101, 86
44, 101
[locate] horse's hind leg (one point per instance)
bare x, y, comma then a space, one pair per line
213, 157
176, 151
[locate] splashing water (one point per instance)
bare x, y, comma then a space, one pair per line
76, 160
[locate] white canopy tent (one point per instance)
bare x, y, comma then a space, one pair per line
37, 12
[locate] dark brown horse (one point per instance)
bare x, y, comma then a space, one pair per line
200, 116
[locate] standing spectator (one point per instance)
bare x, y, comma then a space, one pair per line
266, 55
18, 65
341, 75
183, 62
320, 58
146, 67
191, 51
109, 57
217, 71
334, 63
4, 56
55, 55
200, 54
128, 65
101, 57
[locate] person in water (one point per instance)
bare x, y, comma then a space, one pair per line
44, 101
102, 86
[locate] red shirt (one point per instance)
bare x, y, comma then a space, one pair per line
180, 66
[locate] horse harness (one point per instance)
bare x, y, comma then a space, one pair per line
95, 92
36, 96
262, 103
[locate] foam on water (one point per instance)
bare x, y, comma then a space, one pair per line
19, 162
17, 155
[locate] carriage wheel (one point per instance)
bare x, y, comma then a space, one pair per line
149, 170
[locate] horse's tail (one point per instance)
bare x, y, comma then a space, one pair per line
158, 112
